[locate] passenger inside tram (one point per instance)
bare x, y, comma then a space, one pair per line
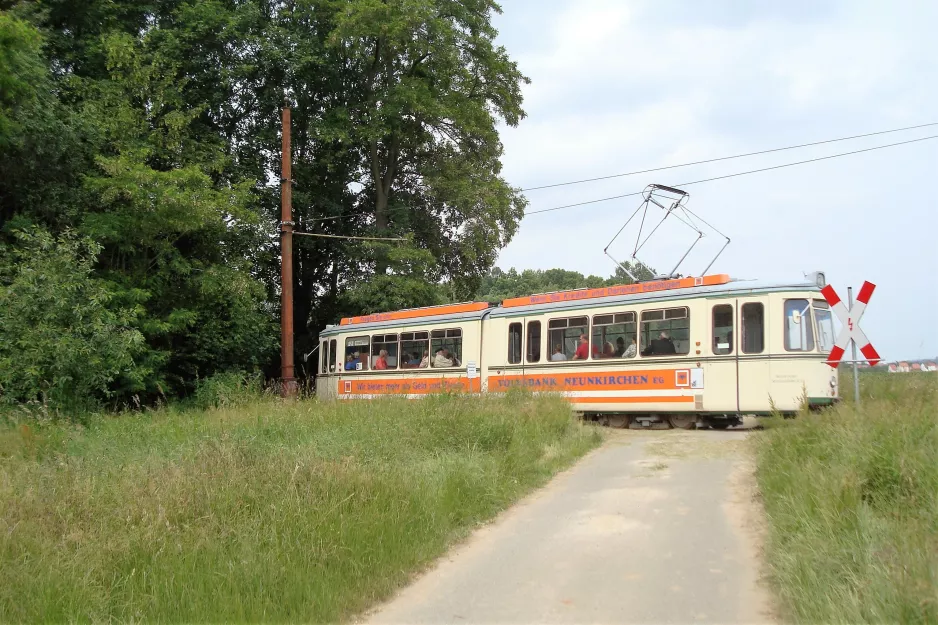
660, 346
620, 347
608, 350
631, 350
443, 358
583, 349
382, 362
558, 354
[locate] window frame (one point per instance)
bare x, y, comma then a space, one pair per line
397, 345
367, 350
743, 343
324, 356
713, 330
564, 328
599, 321
411, 338
448, 334
333, 354
666, 314
531, 340
821, 306
809, 336
515, 342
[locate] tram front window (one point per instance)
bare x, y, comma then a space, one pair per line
799, 328
825, 326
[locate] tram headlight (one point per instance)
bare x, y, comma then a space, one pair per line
833, 386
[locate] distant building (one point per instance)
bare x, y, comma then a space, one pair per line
903, 367
916, 366
930, 366
892, 367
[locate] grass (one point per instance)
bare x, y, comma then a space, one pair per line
268, 511
851, 496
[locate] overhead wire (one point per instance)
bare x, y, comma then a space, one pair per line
734, 175
726, 158
713, 160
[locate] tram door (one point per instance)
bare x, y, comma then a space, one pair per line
516, 344
524, 343
722, 371
752, 321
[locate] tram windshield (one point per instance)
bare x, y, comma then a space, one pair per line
799, 329
825, 326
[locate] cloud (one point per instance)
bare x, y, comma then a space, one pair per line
621, 86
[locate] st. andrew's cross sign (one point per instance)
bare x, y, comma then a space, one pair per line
850, 322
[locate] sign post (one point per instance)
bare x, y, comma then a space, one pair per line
850, 320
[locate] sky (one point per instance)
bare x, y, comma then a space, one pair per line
618, 86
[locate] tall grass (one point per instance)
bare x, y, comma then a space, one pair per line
852, 501
268, 511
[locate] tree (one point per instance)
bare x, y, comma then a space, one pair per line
499, 285
396, 106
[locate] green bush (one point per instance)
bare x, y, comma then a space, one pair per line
62, 342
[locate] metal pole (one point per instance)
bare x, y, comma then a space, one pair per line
853, 347
286, 263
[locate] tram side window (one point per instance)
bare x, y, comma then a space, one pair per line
384, 345
564, 338
415, 350
825, 326
753, 328
324, 356
723, 329
799, 330
534, 341
665, 332
514, 343
446, 348
333, 354
356, 353
614, 335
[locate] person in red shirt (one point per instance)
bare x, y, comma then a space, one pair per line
583, 349
382, 361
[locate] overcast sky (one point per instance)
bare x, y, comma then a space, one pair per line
619, 85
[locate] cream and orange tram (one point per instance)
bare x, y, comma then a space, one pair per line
678, 352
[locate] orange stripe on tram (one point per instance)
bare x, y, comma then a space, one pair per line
630, 380
625, 289
408, 386
416, 313
663, 399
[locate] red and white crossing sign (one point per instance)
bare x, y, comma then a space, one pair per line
850, 320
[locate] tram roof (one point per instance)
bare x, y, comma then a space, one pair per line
679, 288
653, 291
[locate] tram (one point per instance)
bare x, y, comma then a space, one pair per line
678, 353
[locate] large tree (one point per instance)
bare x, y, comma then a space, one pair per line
152, 127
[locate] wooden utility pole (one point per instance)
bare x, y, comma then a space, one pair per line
286, 263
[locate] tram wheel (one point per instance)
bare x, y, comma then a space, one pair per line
719, 425
683, 422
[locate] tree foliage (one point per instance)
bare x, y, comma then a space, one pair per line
64, 337
149, 129
499, 284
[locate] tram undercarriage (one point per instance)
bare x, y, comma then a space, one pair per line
678, 421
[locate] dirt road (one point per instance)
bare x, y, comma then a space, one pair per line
653, 527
